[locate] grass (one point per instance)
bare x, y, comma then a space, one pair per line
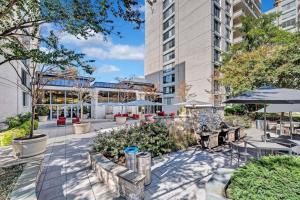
8, 178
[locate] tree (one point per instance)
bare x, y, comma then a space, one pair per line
183, 92
267, 56
20, 22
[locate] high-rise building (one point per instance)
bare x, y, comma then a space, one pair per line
184, 40
289, 18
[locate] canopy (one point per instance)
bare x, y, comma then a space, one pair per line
142, 103
268, 95
277, 108
111, 104
194, 103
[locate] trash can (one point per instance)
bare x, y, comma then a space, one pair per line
144, 165
130, 158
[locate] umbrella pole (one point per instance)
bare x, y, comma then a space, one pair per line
265, 123
291, 126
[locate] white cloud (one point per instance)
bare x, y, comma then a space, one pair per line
107, 69
99, 47
141, 9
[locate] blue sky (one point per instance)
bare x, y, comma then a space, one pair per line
119, 57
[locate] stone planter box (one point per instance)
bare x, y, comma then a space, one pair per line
109, 116
27, 147
82, 128
126, 183
231, 136
121, 120
43, 118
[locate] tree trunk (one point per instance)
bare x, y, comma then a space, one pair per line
32, 119
81, 110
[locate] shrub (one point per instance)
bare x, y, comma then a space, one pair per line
6, 137
239, 120
16, 121
236, 109
42, 110
153, 138
274, 177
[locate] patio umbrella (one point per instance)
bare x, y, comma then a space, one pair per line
142, 103
276, 108
194, 103
267, 95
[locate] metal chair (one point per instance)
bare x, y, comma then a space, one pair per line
238, 153
296, 150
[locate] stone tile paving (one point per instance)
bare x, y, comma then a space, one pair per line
183, 175
65, 173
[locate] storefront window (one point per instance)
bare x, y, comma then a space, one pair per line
72, 97
58, 97
103, 97
113, 97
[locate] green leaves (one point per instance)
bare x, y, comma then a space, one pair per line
153, 138
274, 177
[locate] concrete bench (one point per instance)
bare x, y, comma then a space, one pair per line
126, 183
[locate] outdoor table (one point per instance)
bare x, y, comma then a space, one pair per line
266, 146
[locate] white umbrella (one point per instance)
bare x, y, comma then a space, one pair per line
142, 103
194, 103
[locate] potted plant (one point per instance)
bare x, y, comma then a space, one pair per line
81, 128
109, 115
85, 112
120, 119
42, 112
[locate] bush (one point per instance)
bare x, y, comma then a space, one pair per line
42, 110
236, 109
16, 121
232, 120
274, 177
153, 138
6, 137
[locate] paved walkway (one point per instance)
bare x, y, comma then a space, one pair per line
65, 173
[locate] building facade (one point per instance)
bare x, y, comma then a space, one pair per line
99, 100
289, 18
184, 40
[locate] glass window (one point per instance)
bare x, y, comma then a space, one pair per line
217, 55
169, 90
289, 6
24, 77
166, 3
217, 12
169, 22
227, 6
72, 97
217, 1
170, 33
227, 20
169, 45
103, 96
217, 26
228, 33
58, 97
289, 14
217, 41
169, 78
25, 99
169, 56
291, 22
113, 97
227, 46
127, 96
169, 12
168, 68
168, 100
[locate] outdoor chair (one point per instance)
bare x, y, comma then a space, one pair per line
296, 150
237, 152
61, 121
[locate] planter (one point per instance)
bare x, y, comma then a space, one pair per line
109, 116
27, 147
43, 118
82, 128
85, 116
121, 120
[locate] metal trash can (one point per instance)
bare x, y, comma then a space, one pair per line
130, 158
144, 165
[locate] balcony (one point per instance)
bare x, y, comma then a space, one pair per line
245, 6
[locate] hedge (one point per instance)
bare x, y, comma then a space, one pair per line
272, 178
7, 136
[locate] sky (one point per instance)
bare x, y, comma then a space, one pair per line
121, 57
